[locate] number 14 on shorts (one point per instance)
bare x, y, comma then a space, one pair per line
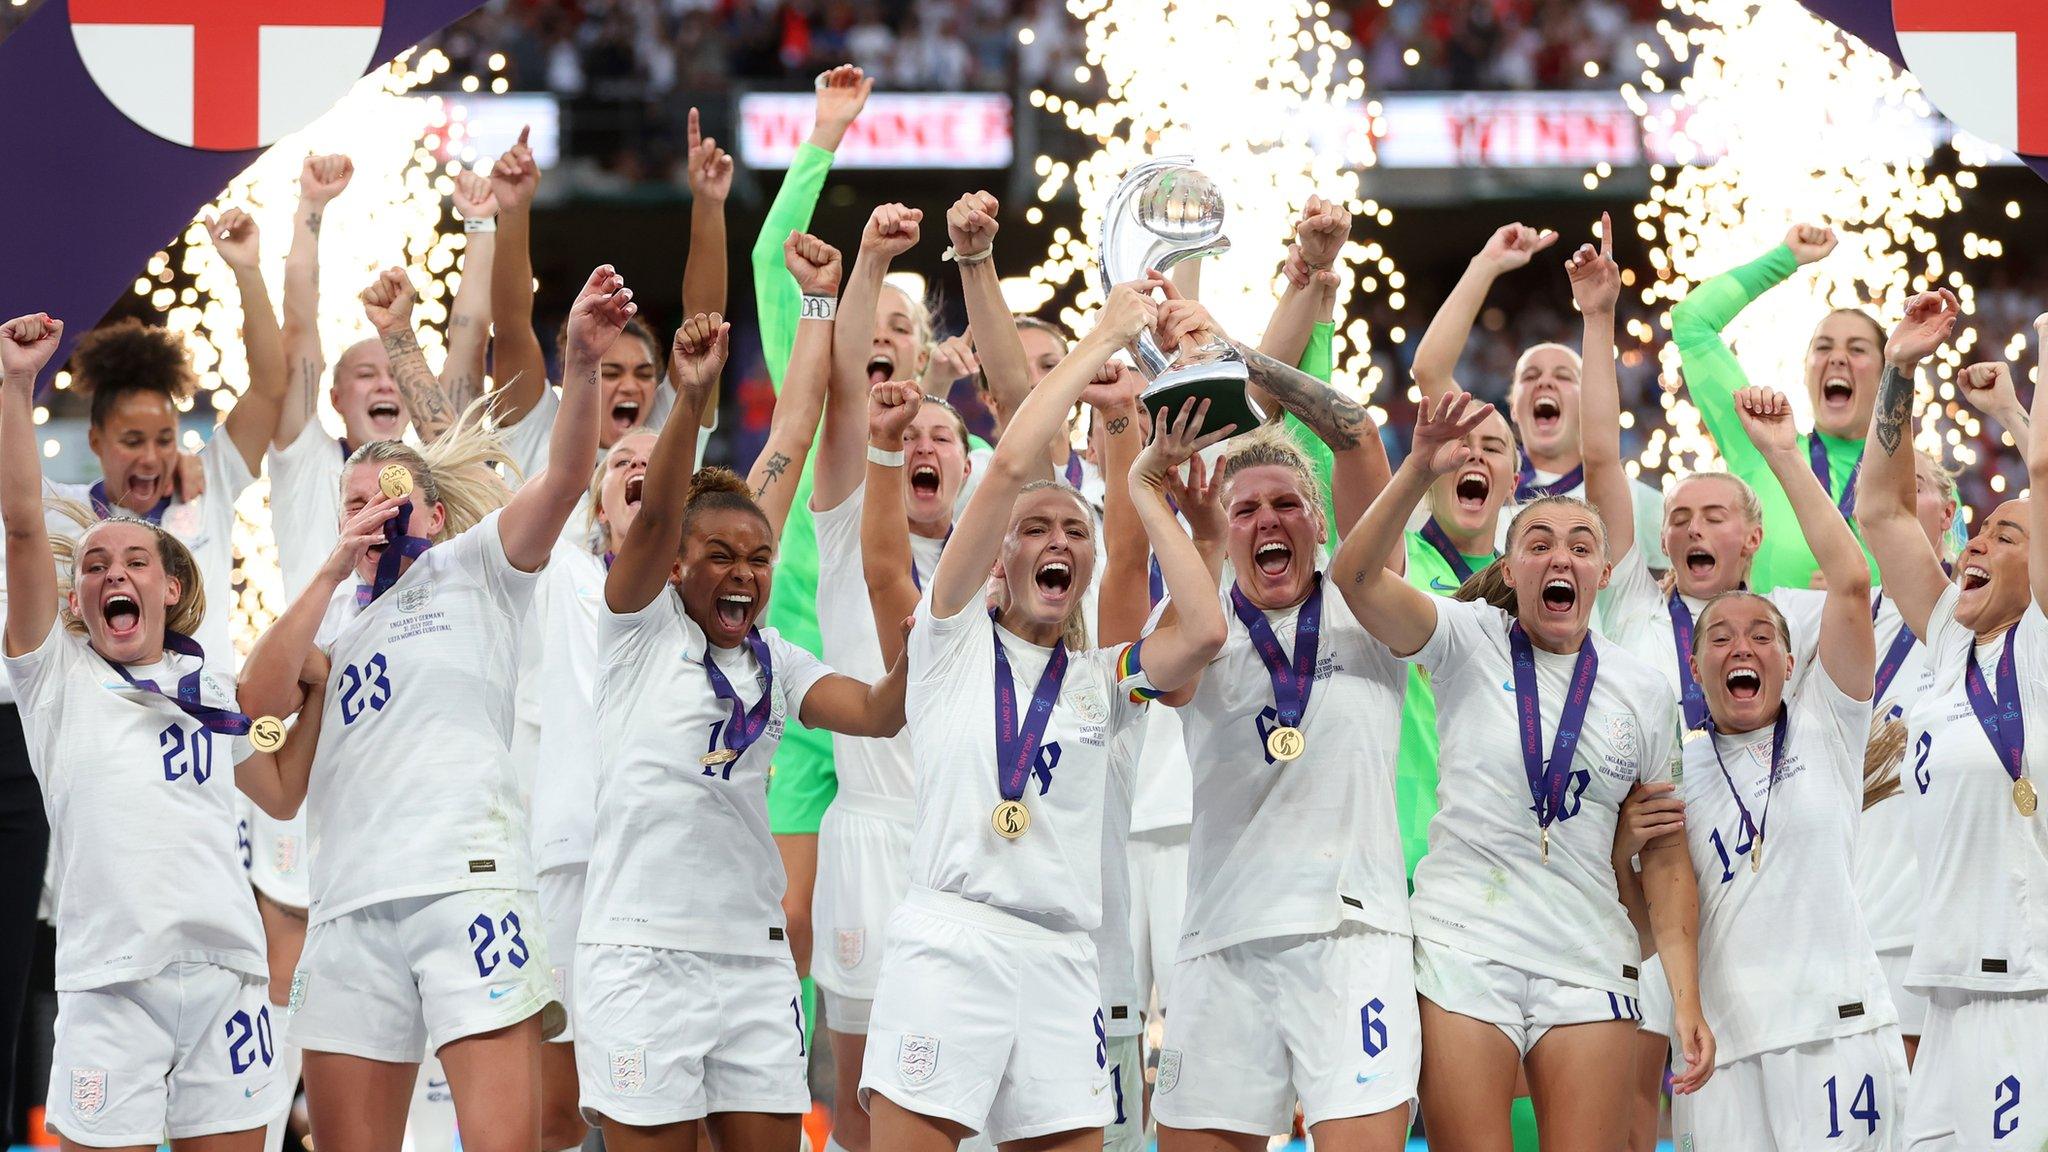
1862, 1106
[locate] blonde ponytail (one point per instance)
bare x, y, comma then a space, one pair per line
458, 471
1882, 758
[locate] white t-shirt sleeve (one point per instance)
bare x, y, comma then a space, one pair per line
1630, 594
227, 475
481, 552
38, 676
631, 638
1848, 721
1461, 628
796, 672
937, 646
1649, 508
1662, 749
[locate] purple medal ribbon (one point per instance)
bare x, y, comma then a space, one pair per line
1526, 487
1817, 455
104, 509
223, 721
2001, 719
1548, 779
1433, 533
1073, 470
1895, 655
1755, 827
747, 724
1690, 693
398, 548
1294, 676
1017, 747
609, 556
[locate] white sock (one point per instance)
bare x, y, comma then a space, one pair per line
430, 1126
289, 1058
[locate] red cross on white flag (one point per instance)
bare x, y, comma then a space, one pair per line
1984, 63
225, 74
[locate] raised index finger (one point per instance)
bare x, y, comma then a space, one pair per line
1607, 235
696, 133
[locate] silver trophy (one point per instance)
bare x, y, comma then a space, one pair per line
1164, 212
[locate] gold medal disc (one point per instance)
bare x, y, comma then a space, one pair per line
1010, 819
2024, 797
266, 734
395, 481
720, 756
1285, 743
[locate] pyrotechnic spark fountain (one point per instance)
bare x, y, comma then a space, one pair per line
1810, 126
389, 215
1241, 87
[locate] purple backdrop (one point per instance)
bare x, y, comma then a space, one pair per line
91, 195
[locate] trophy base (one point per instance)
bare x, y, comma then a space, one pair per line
1221, 382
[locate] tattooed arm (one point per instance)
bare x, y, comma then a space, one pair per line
794, 428
388, 303
1907, 562
321, 179
1359, 458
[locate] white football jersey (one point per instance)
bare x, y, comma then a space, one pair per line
1052, 874
1983, 866
144, 861
413, 791
846, 629
683, 858
1484, 887
206, 526
566, 609
1165, 789
1284, 848
305, 503
1785, 958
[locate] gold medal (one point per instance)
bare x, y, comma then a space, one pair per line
1544, 836
1756, 857
266, 734
396, 481
1010, 819
718, 756
2024, 797
1285, 743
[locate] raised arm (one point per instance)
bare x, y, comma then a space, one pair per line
1398, 614
853, 708
518, 367
469, 319
1712, 373
2037, 475
815, 264
388, 303
971, 227
978, 533
276, 781
321, 179
1512, 246
1848, 648
1988, 388
641, 568
533, 521
1310, 294
891, 231
26, 345
253, 421
704, 275
842, 93
1177, 651
1596, 286
1123, 600
274, 675
886, 558
1906, 561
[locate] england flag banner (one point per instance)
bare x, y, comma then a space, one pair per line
1984, 63
225, 75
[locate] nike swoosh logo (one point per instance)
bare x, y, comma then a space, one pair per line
433, 1083
1436, 584
1364, 1078
248, 1092
497, 992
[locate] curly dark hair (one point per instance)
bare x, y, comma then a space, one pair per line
130, 356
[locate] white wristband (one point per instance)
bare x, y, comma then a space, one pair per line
820, 308
487, 224
965, 259
884, 458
